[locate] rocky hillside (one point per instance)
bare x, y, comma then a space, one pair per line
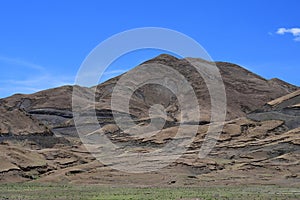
259, 144
15, 121
286, 108
245, 91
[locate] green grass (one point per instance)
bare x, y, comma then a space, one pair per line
93, 192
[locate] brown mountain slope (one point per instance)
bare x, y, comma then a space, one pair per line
249, 151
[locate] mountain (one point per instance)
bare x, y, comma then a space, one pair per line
245, 91
259, 143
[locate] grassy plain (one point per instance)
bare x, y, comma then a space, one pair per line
93, 192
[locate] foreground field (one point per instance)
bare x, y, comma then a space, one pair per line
68, 192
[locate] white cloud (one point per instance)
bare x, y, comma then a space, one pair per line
281, 31
294, 31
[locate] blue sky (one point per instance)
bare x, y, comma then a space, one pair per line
43, 43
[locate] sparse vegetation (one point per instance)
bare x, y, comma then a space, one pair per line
94, 192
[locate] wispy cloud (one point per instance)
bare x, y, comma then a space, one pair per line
33, 84
37, 81
20, 62
294, 31
28, 77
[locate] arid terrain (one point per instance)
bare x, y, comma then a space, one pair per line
259, 144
